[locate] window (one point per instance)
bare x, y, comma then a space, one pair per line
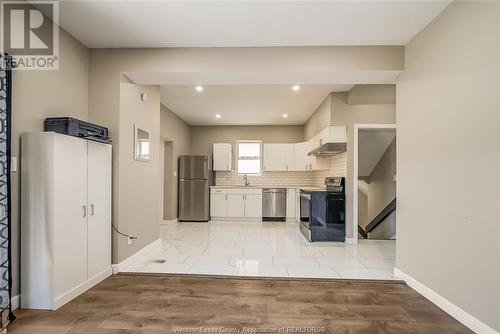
249, 156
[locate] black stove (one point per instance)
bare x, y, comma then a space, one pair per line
322, 211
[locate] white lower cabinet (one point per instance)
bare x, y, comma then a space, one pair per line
290, 203
235, 203
228, 202
218, 205
253, 205
297, 205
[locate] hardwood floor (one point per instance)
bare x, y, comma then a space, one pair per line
162, 304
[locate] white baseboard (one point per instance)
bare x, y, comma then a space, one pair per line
15, 302
235, 219
456, 312
351, 241
136, 256
167, 222
55, 303
72, 294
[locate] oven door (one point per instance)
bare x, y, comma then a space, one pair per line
305, 206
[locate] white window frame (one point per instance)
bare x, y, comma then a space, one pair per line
248, 158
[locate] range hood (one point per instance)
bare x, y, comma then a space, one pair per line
329, 149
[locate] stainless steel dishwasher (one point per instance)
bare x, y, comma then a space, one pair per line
274, 204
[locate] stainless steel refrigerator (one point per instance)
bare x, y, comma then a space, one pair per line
194, 191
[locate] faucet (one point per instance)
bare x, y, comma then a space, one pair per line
246, 180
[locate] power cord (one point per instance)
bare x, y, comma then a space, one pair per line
131, 237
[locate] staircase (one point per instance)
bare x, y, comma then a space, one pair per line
379, 219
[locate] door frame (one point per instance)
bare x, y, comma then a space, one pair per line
357, 127
163, 142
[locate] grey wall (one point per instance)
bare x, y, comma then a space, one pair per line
319, 120
169, 196
362, 209
178, 134
203, 137
381, 187
107, 68
40, 94
136, 196
372, 94
349, 114
448, 116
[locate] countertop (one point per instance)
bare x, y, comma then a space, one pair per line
268, 186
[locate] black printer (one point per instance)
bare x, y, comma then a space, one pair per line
77, 128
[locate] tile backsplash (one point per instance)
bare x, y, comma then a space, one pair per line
338, 167
265, 179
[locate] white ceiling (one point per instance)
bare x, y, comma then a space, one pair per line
372, 145
113, 24
246, 104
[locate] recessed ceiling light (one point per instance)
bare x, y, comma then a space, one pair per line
296, 88
199, 88
285, 115
217, 116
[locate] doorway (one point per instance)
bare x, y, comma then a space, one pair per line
375, 181
169, 198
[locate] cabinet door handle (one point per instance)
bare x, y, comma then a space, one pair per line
84, 211
225, 197
92, 209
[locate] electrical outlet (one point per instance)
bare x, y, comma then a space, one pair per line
130, 240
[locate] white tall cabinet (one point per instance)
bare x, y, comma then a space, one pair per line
65, 218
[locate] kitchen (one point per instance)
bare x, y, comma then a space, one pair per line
92, 210
279, 197
265, 199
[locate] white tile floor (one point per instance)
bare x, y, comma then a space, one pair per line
267, 249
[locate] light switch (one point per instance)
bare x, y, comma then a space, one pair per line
13, 164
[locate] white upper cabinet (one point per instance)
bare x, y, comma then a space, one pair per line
322, 138
223, 154
290, 157
338, 134
331, 134
311, 159
300, 156
279, 157
275, 157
